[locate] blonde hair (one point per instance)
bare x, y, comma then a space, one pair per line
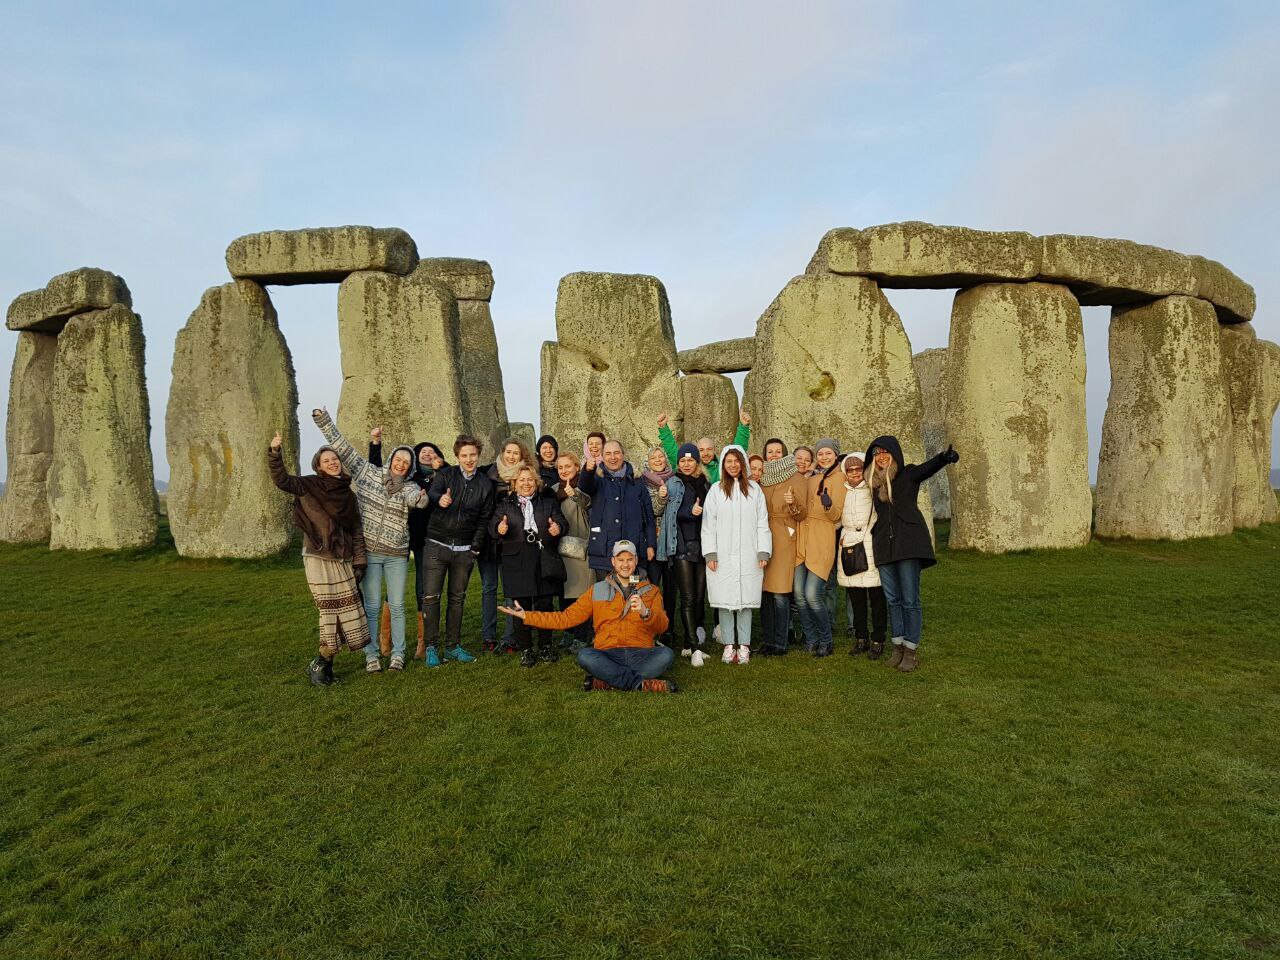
523, 468
880, 480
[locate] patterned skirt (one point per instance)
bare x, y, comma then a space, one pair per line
342, 619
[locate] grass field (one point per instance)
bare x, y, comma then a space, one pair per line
1085, 765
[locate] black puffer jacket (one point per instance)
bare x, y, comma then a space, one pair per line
466, 519
900, 532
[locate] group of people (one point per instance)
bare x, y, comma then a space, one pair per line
621, 562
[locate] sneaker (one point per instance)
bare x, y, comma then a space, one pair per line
491, 646
686, 652
702, 636
729, 656
528, 658
698, 658
373, 665
658, 686
397, 663
433, 656
744, 654
457, 653
315, 670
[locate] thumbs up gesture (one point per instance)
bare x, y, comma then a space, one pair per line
503, 526
276, 441
697, 507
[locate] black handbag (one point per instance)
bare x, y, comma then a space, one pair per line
853, 560
550, 566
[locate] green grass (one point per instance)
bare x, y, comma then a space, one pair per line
1086, 765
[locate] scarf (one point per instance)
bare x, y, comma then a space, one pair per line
778, 471
508, 473
526, 508
392, 484
657, 478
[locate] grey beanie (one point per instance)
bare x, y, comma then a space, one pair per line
828, 442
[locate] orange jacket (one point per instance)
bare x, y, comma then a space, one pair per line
616, 625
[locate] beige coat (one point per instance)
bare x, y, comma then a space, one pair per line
579, 577
816, 541
855, 525
784, 525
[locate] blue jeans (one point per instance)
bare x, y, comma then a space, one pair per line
811, 600
735, 627
775, 620
396, 572
901, 583
489, 565
625, 667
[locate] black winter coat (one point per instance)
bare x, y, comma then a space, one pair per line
466, 519
900, 532
523, 570
422, 476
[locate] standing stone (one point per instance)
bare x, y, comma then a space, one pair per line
401, 359
24, 509
833, 360
1015, 410
1253, 406
320, 254
930, 370
710, 409
1166, 468
232, 389
521, 431
1271, 390
614, 366
102, 492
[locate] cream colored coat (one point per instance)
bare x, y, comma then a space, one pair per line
855, 525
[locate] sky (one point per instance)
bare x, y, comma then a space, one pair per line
708, 144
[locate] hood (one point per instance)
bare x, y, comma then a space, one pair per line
413, 455
861, 458
890, 445
746, 464
417, 451
315, 463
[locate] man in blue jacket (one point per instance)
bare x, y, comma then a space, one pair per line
620, 509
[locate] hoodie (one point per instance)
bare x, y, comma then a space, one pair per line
900, 531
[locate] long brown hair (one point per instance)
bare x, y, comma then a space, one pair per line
744, 474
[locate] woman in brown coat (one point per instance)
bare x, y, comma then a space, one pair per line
816, 548
786, 496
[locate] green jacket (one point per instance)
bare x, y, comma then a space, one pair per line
741, 438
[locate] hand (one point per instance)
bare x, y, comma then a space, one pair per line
446, 501
788, 498
662, 421
762, 563
319, 413
744, 418
712, 565
503, 526
376, 435
697, 507
553, 528
662, 492
276, 441
591, 463
649, 553
571, 491
635, 602
515, 610
951, 456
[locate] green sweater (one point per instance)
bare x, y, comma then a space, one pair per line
742, 437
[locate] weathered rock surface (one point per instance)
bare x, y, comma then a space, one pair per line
614, 364
930, 369
833, 360
1166, 467
233, 388
401, 359
520, 430
47, 310
486, 412
1271, 389
467, 279
1098, 270
723, 356
710, 409
320, 254
24, 509
1253, 394
101, 484
1015, 409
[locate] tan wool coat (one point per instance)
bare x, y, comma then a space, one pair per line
816, 541
784, 525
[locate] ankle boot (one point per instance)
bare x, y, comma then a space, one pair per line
896, 658
328, 671
421, 652
909, 660
861, 646
877, 650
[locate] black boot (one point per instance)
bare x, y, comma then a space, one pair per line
548, 653
315, 670
527, 657
877, 650
328, 671
860, 646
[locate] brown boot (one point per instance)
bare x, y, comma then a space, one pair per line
909, 660
421, 652
384, 631
896, 658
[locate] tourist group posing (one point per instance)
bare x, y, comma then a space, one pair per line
621, 564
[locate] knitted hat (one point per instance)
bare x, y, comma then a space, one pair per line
623, 546
689, 449
834, 445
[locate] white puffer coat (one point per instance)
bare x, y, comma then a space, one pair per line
736, 530
855, 525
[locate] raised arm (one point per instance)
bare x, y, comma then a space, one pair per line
346, 453
281, 477
588, 482
668, 441
920, 472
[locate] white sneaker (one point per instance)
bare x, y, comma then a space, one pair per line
702, 636
744, 654
686, 653
373, 666
698, 658
728, 656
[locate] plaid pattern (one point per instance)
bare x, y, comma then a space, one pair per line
342, 620
385, 517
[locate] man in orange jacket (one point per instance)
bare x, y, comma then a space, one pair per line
627, 613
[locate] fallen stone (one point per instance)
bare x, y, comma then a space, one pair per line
1015, 410
1166, 467
467, 279
930, 371
24, 508
724, 356
320, 254
1253, 407
710, 409
76, 291
232, 389
401, 359
101, 484
833, 360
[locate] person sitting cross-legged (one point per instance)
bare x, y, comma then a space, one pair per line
628, 614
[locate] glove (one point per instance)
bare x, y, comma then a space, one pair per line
950, 455
826, 500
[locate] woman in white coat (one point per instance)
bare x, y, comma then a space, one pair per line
736, 543
863, 589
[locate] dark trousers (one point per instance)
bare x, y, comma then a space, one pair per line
775, 620
859, 598
456, 565
626, 667
419, 552
523, 632
662, 576
691, 580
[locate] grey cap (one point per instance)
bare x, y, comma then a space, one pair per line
623, 546
834, 445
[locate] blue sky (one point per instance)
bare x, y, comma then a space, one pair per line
709, 144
